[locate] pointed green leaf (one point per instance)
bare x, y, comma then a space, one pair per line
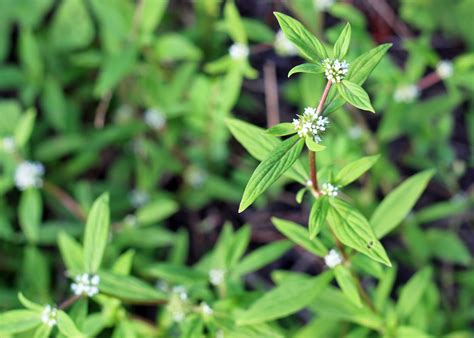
353, 230
447, 246
309, 68
18, 321
30, 213
299, 235
313, 146
24, 127
346, 282
309, 46
355, 95
271, 169
43, 331
354, 170
396, 205
67, 327
29, 304
234, 24
317, 216
285, 299
342, 44
71, 253
282, 129
412, 291
96, 233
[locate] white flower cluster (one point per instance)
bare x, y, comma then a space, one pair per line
333, 258
138, 198
155, 119
85, 284
206, 309
238, 51
329, 190
181, 292
323, 4
310, 124
29, 175
216, 276
8, 144
444, 69
335, 70
406, 93
283, 46
49, 316
178, 306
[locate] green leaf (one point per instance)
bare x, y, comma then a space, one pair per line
156, 210
354, 170
309, 46
239, 245
287, 298
18, 321
309, 68
353, 230
271, 169
300, 236
355, 95
24, 127
447, 246
346, 282
30, 213
71, 253
282, 129
261, 257
234, 24
128, 288
412, 291
313, 146
342, 44
398, 203
96, 233
43, 331
151, 14
67, 327
29, 304
175, 274
317, 216
260, 144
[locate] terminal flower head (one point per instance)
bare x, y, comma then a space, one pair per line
444, 69
332, 259
406, 93
29, 175
335, 70
49, 316
329, 190
238, 51
155, 119
86, 285
310, 124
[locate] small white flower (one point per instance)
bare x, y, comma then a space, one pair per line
283, 46
323, 4
49, 316
29, 175
181, 292
332, 259
329, 190
8, 144
86, 285
162, 285
155, 119
238, 51
216, 276
195, 176
206, 309
310, 124
444, 69
138, 198
335, 70
406, 93
355, 132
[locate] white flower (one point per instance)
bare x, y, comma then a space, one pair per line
86, 285
181, 292
138, 198
444, 69
310, 124
283, 46
206, 309
177, 305
323, 4
355, 132
329, 190
332, 259
29, 175
155, 119
406, 93
49, 315
195, 176
178, 316
335, 70
216, 276
8, 144
238, 51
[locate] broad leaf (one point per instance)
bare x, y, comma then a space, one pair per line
355, 95
354, 170
271, 169
96, 233
309, 46
287, 298
298, 234
317, 216
353, 230
309, 68
18, 321
342, 44
398, 203
346, 282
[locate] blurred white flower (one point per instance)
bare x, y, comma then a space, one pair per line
323, 4
206, 309
49, 316
332, 259
406, 93
8, 144
181, 292
329, 190
283, 46
335, 70
29, 175
138, 198
444, 69
238, 51
155, 119
86, 285
216, 276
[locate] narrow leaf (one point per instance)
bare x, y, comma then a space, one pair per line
354, 170
234, 24
24, 127
346, 282
30, 213
282, 129
67, 327
317, 216
309, 68
313, 146
29, 304
342, 44
71, 253
355, 95
412, 292
18, 321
